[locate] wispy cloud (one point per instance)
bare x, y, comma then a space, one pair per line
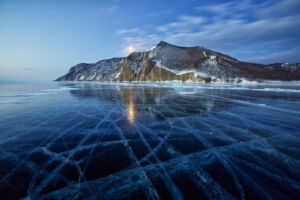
138, 43
133, 44
232, 33
271, 8
183, 23
283, 56
232, 8
236, 26
110, 9
128, 31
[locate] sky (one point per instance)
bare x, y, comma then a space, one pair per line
42, 39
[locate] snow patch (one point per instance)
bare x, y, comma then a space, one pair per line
229, 59
292, 67
117, 75
212, 60
151, 49
181, 72
81, 77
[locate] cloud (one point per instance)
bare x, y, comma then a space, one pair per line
235, 30
279, 8
128, 31
183, 22
110, 10
138, 43
264, 30
291, 55
232, 8
133, 44
246, 8
233, 33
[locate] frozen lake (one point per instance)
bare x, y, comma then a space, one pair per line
149, 141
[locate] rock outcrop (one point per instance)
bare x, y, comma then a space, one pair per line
104, 70
166, 62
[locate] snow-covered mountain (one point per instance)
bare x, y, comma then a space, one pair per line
166, 62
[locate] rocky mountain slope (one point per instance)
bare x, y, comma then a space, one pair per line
166, 62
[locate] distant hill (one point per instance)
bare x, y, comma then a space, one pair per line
167, 62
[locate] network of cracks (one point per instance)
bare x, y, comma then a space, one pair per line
153, 143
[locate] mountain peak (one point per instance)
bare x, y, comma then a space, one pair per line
163, 43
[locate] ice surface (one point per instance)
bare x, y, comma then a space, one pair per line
149, 141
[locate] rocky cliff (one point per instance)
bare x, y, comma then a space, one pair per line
166, 62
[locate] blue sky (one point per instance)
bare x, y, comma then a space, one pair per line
42, 39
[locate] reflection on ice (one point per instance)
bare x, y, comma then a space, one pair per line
130, 110
118, 141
